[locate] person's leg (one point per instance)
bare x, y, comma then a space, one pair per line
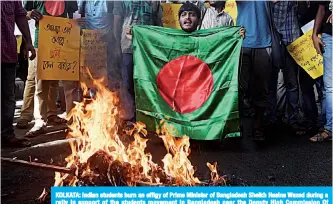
322, 102
309, 106
319, 86
113, 66
71, 95
291, 83
327, 39
8, 106
61, 94
128, 99
7, 99
40, 109
261, 72
272, 96
52, 111
245, 106
281, 97
27, 109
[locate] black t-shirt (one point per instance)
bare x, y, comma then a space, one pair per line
327, 27
305, 16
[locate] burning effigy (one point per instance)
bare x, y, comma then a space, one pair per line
101, 158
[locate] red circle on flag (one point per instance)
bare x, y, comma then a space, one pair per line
185, 83
55, 8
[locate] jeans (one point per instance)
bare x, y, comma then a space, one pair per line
322, 100
8, 73
292, 93
128, 96
327, 40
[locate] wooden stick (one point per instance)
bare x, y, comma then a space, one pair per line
38, 165
57, 168
48, 144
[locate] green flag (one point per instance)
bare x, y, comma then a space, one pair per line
188, 79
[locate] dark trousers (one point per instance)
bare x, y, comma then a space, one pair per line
290, 72
128, 96
253, 82
308, 102
8, 73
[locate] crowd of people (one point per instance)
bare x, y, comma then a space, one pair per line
267, 27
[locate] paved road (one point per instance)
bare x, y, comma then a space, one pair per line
282, 161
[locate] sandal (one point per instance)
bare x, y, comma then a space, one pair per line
35, 131
54, 119
16, 142
321, 138
22, 124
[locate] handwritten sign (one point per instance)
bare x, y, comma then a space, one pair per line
170, 15
231, 9
58, 49
305, 55
93, 55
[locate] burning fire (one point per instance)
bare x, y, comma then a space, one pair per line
100, 155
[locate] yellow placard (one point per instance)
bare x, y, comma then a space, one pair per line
170, 15
305, 55
19, 43
93, 55
58, 49
231, 9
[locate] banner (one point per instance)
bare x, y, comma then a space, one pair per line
93, 55
58, 49
170, 15
305, 55
191, 195
189, 80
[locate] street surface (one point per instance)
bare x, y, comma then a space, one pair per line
283, 160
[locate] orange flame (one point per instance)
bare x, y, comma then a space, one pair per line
94, 124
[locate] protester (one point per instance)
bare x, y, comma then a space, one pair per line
45, 94
255, 65
323, 46
215, 16
98, 15
126, 14
189, 17
285, 21
12, 12
307, 12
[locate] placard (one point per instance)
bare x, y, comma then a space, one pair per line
170, 15
304, 53
231, 9
58, 49
93, 55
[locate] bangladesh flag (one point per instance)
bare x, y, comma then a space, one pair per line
188, 79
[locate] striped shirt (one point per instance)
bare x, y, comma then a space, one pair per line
286, 20
213, 19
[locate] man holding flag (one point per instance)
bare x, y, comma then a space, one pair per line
188, 78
